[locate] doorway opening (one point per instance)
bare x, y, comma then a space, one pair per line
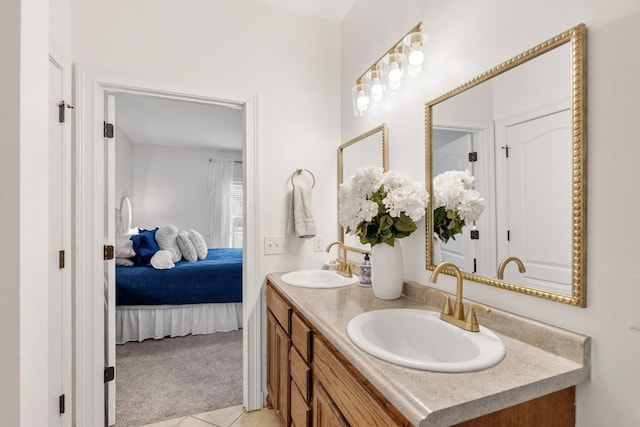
93, 227
178, 321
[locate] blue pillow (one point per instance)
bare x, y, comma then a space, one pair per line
145, 245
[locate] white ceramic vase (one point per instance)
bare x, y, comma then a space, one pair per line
436, 256
387, 271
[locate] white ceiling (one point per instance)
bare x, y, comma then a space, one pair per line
331, 10
162, 121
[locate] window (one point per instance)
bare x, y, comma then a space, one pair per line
237, 219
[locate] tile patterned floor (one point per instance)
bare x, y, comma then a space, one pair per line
234, 416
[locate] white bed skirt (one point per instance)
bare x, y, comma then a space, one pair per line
140, 322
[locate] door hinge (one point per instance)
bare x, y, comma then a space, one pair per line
61, 405
473, 156
109, 373
108, 130
109, 252
475, 234
61, 259
62, 106
508, 235
506, 150
475, 265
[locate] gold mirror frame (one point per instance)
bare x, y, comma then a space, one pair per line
576, 36
385, 158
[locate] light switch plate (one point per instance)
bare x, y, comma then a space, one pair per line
318, 243
274, 245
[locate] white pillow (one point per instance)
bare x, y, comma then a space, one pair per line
166, 236
198, 243
186, 247
124, 247
162, 260
125, 262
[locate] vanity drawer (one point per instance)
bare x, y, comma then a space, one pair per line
301, 336
280, 309
300, 410
300, 374
354, 400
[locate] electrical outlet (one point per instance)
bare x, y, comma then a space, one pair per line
274, 245
318, 244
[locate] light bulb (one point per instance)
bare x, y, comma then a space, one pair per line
416, 56
377, 89
395, 73
362, 101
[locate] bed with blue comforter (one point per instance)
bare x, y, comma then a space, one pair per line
215, 279
200, 297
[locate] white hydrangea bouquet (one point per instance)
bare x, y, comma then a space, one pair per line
380, 207
455, 202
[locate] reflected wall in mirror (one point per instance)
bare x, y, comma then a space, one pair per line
370, 148
519, 128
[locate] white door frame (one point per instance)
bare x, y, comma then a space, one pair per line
90, 86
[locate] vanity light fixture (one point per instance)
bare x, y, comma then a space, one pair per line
404, 58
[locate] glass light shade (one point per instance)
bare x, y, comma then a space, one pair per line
360, 98
395, 61
395, 84
377, 83
415, 42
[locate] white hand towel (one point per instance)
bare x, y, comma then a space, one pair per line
301, 221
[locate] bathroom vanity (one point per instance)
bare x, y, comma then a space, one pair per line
317, 377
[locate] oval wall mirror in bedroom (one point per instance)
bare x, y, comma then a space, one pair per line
125, 215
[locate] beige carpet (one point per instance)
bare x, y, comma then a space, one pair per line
163, 379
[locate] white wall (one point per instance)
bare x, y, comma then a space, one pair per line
24, 47
170, 185
239, 49
468, 38
10, 212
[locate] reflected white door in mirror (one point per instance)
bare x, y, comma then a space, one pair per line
519, 129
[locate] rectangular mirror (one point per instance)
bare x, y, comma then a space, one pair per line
519, 128
370, 148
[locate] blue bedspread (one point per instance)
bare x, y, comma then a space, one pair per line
216, 279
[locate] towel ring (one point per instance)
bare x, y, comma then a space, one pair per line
299, 172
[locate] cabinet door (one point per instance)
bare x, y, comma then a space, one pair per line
278, 377
271, 360
325, 412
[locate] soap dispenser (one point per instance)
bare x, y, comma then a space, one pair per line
365, 272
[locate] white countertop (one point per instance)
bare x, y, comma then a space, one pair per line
540, 359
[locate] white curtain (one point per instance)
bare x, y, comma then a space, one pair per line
219, 189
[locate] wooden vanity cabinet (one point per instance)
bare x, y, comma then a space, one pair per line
289, 353
310, 384
278, 346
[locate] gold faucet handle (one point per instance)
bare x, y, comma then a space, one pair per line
471, 318
446, 308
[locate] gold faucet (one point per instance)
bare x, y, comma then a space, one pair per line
506, 261
457, 316
344, 266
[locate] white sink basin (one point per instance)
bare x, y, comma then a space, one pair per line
418, 339
318, 279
